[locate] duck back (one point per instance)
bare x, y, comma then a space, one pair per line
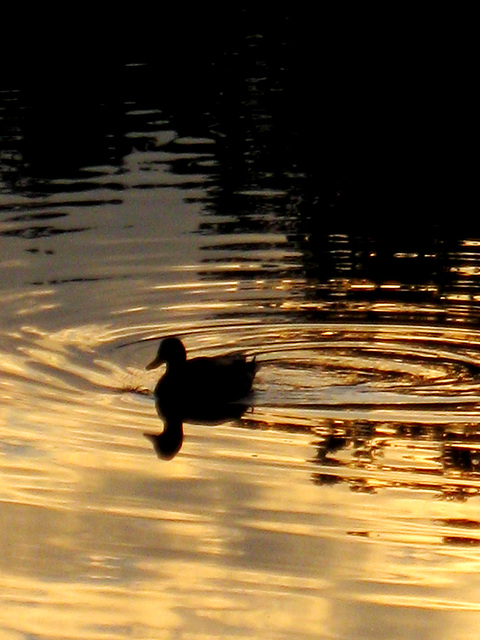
207, 381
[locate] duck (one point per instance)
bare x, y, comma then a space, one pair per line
202, 384
203, 390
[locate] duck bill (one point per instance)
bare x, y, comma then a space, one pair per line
154, 364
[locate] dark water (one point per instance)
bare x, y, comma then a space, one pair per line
217, 199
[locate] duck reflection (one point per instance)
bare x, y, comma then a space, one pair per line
169, 442
203, 390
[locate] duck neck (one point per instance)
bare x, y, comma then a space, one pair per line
176, 366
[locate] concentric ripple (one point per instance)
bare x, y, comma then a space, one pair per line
364, 394
320, 367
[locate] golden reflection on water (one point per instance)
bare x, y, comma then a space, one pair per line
254, 520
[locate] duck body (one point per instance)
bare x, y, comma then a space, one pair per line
203, 385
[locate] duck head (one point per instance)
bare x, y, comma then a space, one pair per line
171, 351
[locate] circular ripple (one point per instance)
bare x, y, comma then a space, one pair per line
301, 365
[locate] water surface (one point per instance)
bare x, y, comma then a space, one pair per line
344, 502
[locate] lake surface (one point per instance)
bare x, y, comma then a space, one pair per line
344, 503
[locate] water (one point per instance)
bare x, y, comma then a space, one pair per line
342, 504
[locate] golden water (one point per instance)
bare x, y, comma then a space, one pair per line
343, 504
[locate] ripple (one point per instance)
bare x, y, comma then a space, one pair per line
302, 365
382, 406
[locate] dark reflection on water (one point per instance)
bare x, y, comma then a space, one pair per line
364, 234
444, 460
169, 442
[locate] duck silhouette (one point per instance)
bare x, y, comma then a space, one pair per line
204, 390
